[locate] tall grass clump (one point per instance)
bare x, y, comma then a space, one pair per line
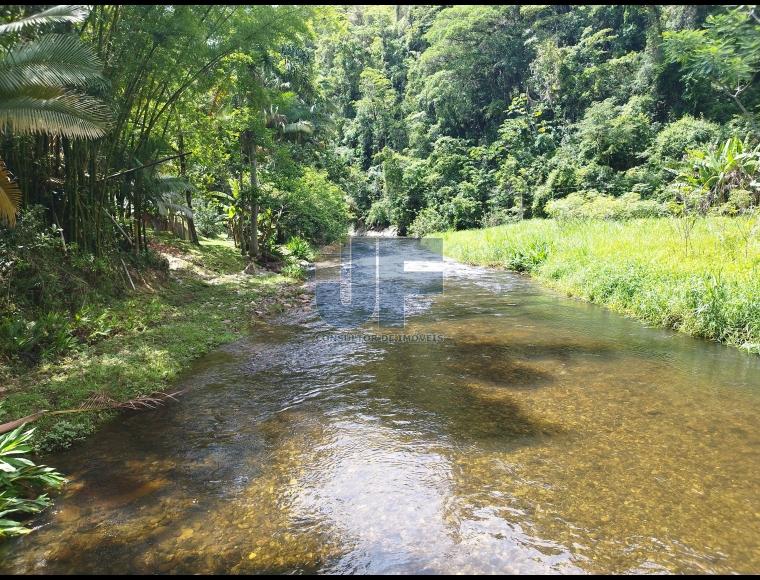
641, 267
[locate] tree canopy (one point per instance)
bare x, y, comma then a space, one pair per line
417, 117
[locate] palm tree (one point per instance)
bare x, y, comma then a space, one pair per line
41, 88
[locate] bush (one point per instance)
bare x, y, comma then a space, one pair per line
593, 205
379, 214
676, 138
299, 249
615, 135
39, 272
500, 216
209, 222
48, 288
715, 172
428, 221
525, 258
315, 209
462, 211
294, 270
739, 201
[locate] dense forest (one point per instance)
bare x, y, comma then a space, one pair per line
264, 120
470, 116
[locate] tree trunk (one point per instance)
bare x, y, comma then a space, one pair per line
188, 193
254, 245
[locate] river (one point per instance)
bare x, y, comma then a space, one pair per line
533, 434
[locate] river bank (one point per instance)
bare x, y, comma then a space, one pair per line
641, 268
152, 334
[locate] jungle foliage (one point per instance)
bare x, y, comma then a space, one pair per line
472, 116
278, 125
217, 105
122, 121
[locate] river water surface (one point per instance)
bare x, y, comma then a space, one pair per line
535, 434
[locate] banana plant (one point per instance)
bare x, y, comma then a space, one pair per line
717, 171
42, 88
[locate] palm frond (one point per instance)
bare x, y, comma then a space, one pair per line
55, 60
172, 203
300, 128
67, 114
54, 15
171, 184
10, 196
96, 402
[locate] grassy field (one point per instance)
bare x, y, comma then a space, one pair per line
640, 267
148, 338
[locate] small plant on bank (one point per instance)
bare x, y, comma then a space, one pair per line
299, 248
22, 483
686, 212
296, 251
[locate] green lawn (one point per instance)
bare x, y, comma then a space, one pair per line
638, 267
152, 335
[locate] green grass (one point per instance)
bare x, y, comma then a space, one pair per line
150, 337
638, 267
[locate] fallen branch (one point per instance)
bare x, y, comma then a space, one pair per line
98, 402
146, 166
128, 276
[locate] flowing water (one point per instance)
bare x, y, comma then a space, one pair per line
533, 434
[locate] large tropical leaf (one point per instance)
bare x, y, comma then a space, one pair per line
10, 196
65, 113
55, 60
54, 15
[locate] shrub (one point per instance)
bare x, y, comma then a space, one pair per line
713, 173
500, 216
593, 205
739, 201
39, 272
680, 136
299, 249
47, 283
314, 208
462, 212
526, 257
379, 214
428, 221
294, 270
615, 135
46, 338
209, 222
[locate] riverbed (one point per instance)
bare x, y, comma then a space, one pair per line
521, 431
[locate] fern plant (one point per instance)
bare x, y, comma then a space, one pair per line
42, 88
